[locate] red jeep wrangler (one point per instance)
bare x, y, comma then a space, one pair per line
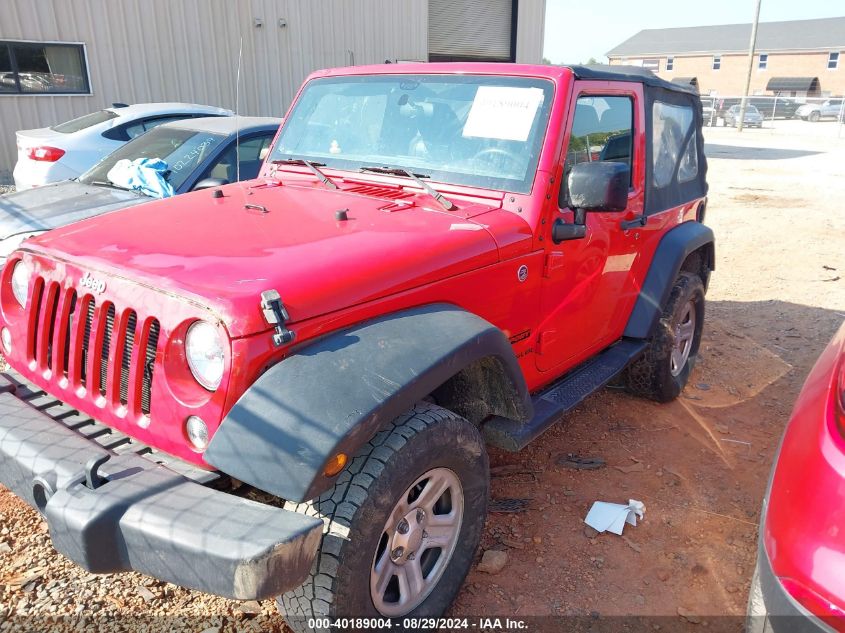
434, 257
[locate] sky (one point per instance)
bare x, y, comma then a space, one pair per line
577, 30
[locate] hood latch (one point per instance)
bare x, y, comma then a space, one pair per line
275, 314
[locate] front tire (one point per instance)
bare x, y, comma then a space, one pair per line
403, 523
814, 117
664, 368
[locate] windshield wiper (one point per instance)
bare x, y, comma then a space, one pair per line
111, 185
314, 167
442, 200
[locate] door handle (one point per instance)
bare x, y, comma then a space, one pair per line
636, 223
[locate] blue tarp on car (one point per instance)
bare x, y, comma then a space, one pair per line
147, 175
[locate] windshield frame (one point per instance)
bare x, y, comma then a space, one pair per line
536, 139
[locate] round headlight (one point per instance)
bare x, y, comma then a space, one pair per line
20, 282
204, 351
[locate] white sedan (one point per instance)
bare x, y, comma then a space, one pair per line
67, 150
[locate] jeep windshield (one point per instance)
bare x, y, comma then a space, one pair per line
481, 131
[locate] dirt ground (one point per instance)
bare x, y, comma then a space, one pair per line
699, 464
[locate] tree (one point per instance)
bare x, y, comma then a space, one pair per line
546, 61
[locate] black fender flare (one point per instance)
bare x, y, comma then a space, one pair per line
333, 395
674, 247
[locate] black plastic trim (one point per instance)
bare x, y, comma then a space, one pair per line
605, 72
553, 402
140, 516
333, 395
670, 254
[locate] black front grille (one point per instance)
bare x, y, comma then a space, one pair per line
58, 316
86, 339
104, 350
149, 366
126, 355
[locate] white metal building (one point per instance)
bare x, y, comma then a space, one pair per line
63, 58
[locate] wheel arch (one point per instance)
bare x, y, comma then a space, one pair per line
332, 395
690, 247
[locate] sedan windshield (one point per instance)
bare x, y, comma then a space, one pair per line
182, 150
482, 131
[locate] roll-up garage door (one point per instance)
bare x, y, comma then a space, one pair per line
470, 29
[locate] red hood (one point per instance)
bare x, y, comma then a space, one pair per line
222, 254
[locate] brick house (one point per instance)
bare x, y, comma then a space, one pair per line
800, 58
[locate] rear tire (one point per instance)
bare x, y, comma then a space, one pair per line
357, 573
814, 117
664, 368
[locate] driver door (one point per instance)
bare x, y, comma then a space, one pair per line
587, 290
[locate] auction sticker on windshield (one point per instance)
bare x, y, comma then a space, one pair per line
503, 112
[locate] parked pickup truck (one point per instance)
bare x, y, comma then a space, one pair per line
286, 386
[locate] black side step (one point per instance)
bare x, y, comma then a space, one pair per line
563, 396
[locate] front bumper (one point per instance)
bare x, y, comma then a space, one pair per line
113, 512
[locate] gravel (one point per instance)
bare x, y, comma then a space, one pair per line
42, 590
6, 189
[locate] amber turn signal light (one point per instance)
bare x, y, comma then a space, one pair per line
335, 465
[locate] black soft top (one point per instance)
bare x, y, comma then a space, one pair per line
661, 147
603, 72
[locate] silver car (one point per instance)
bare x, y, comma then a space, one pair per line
830, 109
753, 118
200, 153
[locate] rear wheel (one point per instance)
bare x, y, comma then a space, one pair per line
403, 523
814, 117
664, 368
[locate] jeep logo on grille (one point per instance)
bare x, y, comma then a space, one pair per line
95, 285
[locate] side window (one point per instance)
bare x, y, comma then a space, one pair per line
672, 124
145, 125
602, 129
252, 153
128, 131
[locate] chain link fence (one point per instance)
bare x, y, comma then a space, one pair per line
812, 116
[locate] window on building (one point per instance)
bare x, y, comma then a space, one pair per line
652, 64
717, 62
670, 63
764, 61
33, 68
833, 60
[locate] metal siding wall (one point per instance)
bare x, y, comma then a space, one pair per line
530, 25
187, 50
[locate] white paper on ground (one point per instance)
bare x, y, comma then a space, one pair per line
503, 112
612, 517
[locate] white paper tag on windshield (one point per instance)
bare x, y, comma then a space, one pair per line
503, 112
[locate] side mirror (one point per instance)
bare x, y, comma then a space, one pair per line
208, 183
599, 186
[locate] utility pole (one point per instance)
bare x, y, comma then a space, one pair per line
751, 46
